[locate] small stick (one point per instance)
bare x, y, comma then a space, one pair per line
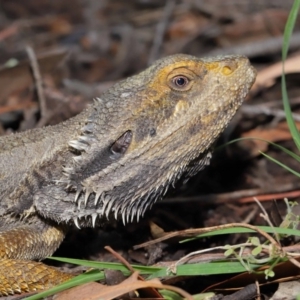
160, 30
38, 80
120, 258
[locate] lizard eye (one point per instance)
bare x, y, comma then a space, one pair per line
120, 146
180, 83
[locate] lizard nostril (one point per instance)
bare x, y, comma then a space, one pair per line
229, 67
227, 70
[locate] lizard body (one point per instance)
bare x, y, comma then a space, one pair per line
113, 160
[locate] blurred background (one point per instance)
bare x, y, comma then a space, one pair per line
55, 56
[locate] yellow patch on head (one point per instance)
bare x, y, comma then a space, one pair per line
212, 65
227, 70
163, 74
180, 107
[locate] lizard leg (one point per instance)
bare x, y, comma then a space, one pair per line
20, 245
19, 276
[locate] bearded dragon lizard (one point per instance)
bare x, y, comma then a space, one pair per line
113, 160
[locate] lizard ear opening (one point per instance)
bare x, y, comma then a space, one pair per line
120, 146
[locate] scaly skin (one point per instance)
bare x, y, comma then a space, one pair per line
115, 159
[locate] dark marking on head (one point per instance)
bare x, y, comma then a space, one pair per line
152, 132
195, 128
120, 146
145, 128
103, 158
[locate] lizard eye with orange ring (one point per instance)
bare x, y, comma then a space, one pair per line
180, 83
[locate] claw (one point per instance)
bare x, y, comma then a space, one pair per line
123, 218
78, 192
86, 197
97, 100
77, 159
94, 218
78, 145
97, 197
75, 219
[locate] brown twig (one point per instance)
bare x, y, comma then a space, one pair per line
292, 251
248, 292
288, 190
160, 30
197, 231
151, 290
120, 258
260, 47
38, 81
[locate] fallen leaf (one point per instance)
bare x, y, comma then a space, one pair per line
266, 77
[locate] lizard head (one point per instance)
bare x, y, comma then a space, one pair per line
148, 130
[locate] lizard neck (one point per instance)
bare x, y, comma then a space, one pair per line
35, 139
18, 152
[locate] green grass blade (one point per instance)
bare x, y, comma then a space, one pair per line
210, 268
281, 164
207, 268
93, 275
107, 265
287, 151
268, 229
286, 41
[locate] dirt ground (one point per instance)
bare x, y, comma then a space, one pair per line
84, 47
